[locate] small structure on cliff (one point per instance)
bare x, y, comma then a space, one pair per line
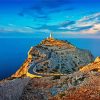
50, 41
51, 36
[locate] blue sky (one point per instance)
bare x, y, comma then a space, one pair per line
67, 18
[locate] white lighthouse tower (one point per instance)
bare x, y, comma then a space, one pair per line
50, 36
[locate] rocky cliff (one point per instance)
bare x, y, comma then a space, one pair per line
49, 60
76, 86
93, 67
79, 85
54, 56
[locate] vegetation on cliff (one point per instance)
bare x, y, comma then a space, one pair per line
54, 70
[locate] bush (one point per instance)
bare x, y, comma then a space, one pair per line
56, 77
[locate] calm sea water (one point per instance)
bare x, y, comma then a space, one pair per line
13, 51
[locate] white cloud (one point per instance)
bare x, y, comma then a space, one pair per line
82, 25
93, 16
87, 25
14, 28
95, 29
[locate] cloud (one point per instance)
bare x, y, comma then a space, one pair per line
92, 17
93, 30
54, 28
87, 25
14, 28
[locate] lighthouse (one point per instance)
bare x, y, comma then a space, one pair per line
50, 36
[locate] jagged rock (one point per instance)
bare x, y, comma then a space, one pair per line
48, 89
97, 59
12, 89
59, 56
54, 56
77, 86
94, 66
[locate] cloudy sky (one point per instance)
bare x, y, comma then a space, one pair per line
67, 18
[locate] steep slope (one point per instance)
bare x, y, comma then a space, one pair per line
23, 70
88, 90
94, 66
80, 85
12, 89
76, 86
53, 56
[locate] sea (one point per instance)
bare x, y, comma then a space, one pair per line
13, 51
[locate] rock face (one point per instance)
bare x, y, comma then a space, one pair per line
77, 86
94, 66
59, 56
80, 85
54, 56
12, 89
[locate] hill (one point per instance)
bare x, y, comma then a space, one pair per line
55, 57
54, 70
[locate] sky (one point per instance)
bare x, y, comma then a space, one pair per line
37, 18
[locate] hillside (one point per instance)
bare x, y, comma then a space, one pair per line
54, 70
76, 86
93, 67
55, 57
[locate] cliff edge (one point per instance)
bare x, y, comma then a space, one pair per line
53, 56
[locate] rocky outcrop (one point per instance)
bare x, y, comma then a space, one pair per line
76, 86
88, 90
12, 89
79, 85
54, 56
60, 61
94, 66
23, 69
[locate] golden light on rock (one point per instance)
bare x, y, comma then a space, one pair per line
94, 66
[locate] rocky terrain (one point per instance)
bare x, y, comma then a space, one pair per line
54, 70
11, 89
54, 56
94, 66
77, 86
80, 85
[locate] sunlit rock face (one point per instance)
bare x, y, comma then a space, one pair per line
93, 67
97, 59
23, 69
51, 42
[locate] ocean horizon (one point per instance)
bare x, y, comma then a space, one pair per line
13, 51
